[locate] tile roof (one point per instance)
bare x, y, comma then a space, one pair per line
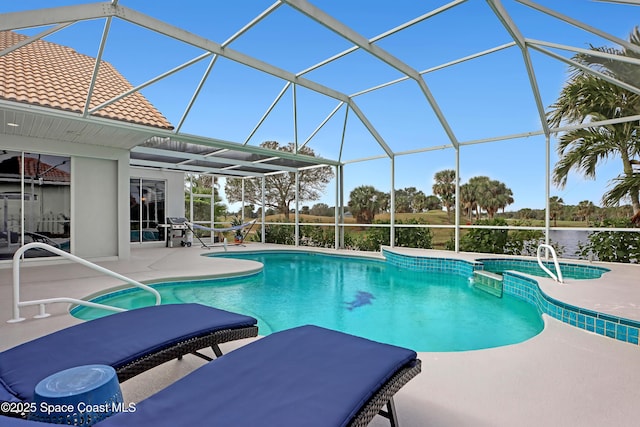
50, 75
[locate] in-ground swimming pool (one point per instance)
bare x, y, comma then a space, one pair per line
426, 311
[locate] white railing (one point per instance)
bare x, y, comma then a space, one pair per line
557, 277
42, 302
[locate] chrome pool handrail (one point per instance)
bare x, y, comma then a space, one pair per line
558, 277
42, 302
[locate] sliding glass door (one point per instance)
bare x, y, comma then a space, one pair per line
147, 203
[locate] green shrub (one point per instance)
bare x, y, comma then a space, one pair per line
317, 236
413, 237
612, 246
501, 241
279, 234
369, 240
485, 240
375, 237
526, 242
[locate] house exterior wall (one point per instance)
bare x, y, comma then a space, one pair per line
100, 193
95, 225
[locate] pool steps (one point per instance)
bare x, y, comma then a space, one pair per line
488, 282
527, 289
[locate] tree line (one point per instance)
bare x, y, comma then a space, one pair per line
365, 202
585, 211
480, 194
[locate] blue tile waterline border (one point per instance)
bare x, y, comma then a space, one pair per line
527, 289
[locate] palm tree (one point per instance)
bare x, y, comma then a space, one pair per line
403, 201
589, 98
556, 207
468, 200
586, 208
445, 188
365, 202
480, 187
495, 196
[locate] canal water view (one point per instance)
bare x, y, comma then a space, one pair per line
569, 240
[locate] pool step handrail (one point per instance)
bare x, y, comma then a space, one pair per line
558, 276
42, 302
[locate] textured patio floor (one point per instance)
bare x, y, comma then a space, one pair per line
562, 377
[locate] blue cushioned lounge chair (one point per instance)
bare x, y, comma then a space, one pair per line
307, 376
131, 342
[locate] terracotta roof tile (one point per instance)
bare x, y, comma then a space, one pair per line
51, 75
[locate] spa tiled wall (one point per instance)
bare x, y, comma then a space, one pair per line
603, 324
445, 265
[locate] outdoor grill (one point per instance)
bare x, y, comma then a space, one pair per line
178, 227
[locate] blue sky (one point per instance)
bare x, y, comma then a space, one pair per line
486, 97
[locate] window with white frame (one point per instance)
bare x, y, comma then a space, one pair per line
35, 202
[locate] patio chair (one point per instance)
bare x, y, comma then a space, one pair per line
307, 376
131, 342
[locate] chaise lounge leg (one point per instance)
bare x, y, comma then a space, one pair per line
216, 350
390, 413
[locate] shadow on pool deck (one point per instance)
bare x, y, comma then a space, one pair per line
564, 376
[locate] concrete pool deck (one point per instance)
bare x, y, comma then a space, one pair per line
564, 376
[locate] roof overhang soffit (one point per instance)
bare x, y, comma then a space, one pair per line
143, 132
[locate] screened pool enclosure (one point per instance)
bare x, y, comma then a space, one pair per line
384, 93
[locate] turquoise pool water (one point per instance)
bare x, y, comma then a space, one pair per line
423, 311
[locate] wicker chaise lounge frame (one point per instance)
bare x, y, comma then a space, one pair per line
375, 405
189, 346
384, 396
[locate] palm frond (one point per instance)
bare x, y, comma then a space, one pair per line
623, 189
